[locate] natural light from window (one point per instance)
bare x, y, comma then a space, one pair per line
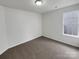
71, 23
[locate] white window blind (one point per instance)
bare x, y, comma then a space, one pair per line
71, 23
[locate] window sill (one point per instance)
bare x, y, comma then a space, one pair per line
71, 35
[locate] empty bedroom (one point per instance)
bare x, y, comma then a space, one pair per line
39, 29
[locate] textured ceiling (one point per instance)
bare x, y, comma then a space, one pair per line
48, 5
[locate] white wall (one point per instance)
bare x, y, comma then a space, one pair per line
22, 26
3, 38
17, 27
53, 26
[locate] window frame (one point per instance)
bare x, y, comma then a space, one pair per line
77, 36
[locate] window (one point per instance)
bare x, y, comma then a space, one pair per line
71, 23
